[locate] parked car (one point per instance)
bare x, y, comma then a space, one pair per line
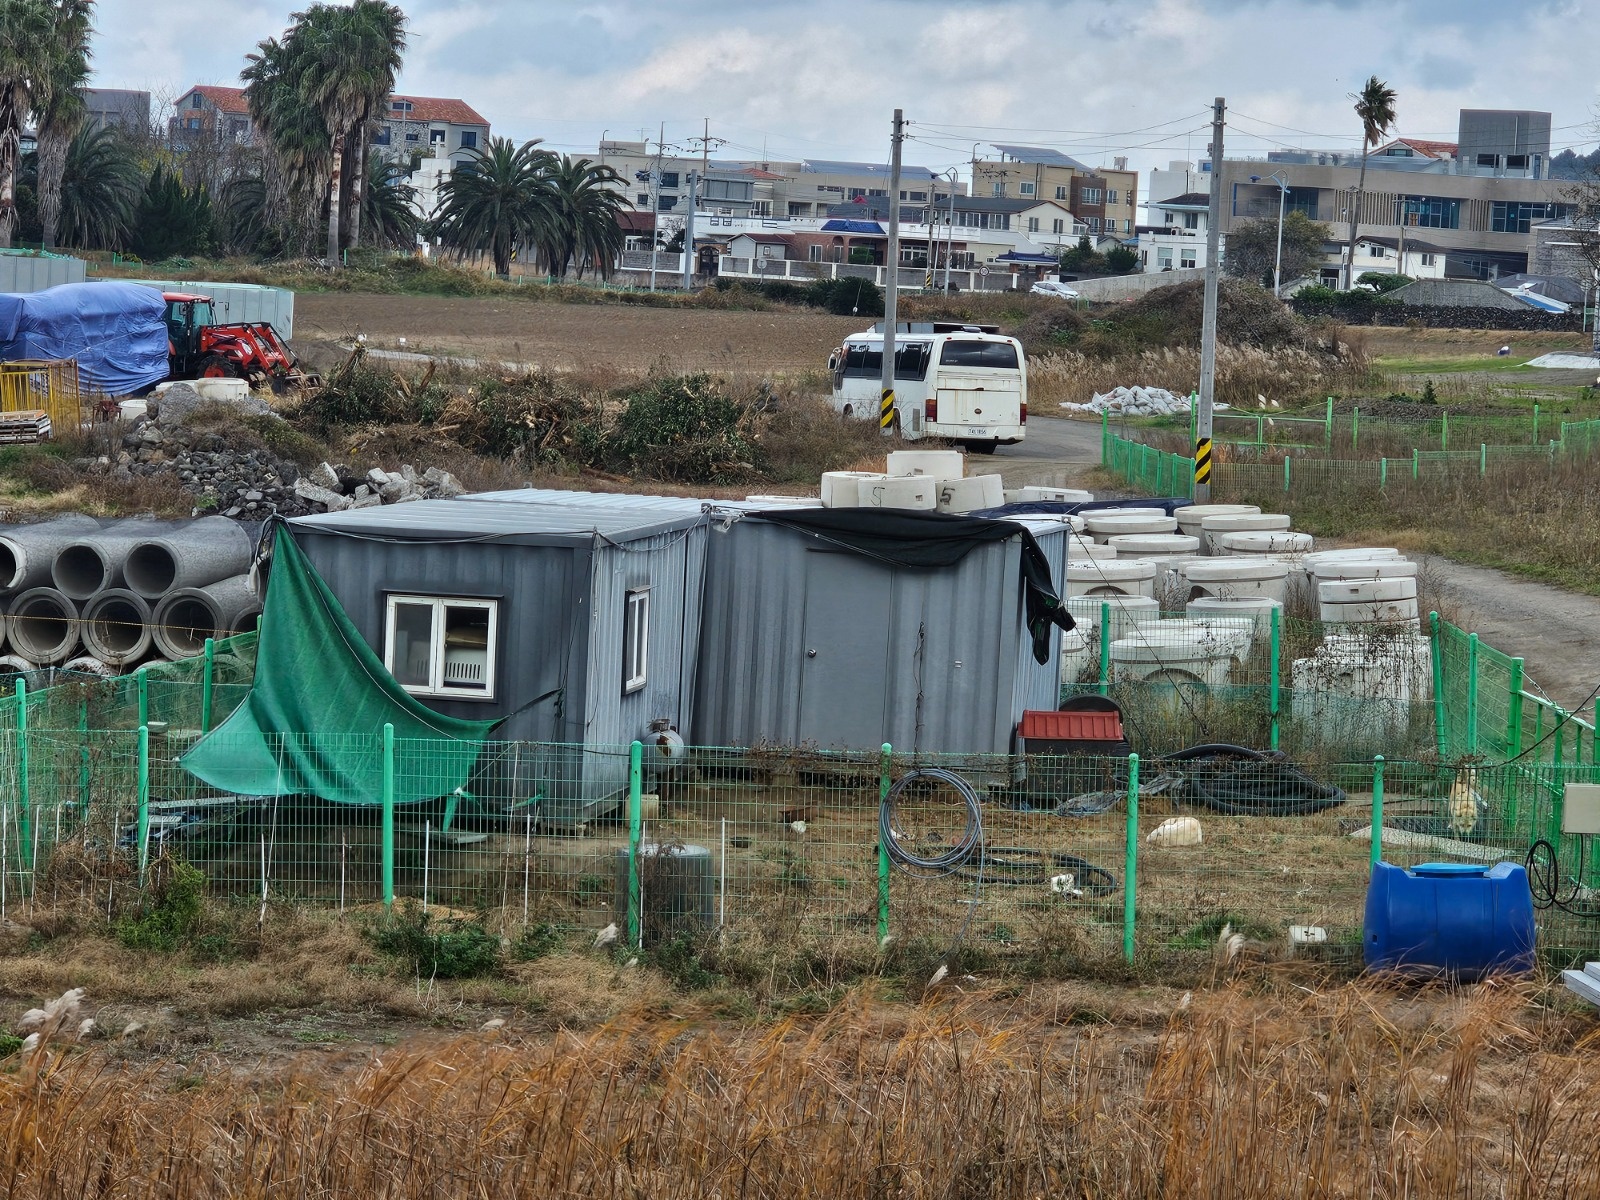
1053, 287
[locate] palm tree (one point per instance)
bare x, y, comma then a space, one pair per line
346, 59
100, 189
500, 201
388, 206
61, 114
28, 54
384, 26
243, 204
1375, 107
295, 167
585, 232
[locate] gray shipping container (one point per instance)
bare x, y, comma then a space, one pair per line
236, 303
561, 567
21, 272
808, 644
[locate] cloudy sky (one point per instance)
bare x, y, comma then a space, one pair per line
790, 79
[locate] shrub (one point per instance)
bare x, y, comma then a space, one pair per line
171, 913
686, 429
450, 949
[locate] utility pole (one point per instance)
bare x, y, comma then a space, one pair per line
1208, 328
655, 204
892, 279
706, 141
688, 235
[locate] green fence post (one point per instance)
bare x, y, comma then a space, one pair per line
883, 850
1472, 693
1355, 430
144, 696
1514, 712
1377, 810
205, 685
1286, 461
635, 836
1483, 458
1105, 438
388, 816
1130, 861
1261, 430
142, 829
85, 779
1105, 647
1383, 473
1535, 441
1444, 431
1415, 462
1276, 646
24, 789
1437, 654
1327, 433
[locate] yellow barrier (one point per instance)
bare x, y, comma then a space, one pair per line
49, 386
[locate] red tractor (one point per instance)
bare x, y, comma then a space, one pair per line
199, 349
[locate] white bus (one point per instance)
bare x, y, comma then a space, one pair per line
964, 383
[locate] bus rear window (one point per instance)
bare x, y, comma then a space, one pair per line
1000, 355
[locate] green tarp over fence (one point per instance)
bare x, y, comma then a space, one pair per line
313, 721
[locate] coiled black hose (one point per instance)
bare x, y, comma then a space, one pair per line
1264, 784
946, 863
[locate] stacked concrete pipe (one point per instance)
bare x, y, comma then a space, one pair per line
194, 556
43, 626
94, 563
115, 627
187, 617
28, 552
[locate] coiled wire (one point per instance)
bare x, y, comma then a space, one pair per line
949, 861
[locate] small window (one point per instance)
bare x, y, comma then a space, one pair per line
919, 195
1111, 195
436, 137
469, 140
442, 647
1516, 162
884, 192
400, 106
197, 101
1427, 260
1025, 189
999, 190
814, 253
1058, 225
669, 179
1033, 224
1094, 224
1061, 192
1191, 220
412, 137
642, 199
1487, 160
636, 640
1187, 258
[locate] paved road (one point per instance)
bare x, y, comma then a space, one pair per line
1056, 453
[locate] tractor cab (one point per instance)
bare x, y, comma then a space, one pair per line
187, 315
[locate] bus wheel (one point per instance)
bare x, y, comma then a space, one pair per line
981, 447
849, 411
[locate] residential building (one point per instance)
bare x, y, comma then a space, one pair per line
411, 128
1556, 247
1175, 238
1399, 255
1104, 198
117, 108
729, 189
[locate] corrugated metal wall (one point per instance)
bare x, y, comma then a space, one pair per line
960, 669
31, 273
236, 303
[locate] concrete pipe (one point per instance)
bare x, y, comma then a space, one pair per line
88, 665
193, 555
27, 552
94, 563
116, 627
186, 618
44, 626
12, 665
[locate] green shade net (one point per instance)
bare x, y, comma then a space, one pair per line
312, 723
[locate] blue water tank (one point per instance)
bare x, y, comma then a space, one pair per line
1462, 920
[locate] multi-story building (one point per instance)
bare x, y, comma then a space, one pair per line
117, 108
1104, 198
1474, 202
1175, 238
410, 129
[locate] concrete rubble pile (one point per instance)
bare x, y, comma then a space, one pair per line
1135, 402
255, 484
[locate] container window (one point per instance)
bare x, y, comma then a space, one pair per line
438, 646
636, 640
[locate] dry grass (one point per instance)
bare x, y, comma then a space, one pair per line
1255, 1090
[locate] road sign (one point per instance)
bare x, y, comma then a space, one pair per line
983, 270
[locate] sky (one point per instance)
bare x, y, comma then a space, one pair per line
792, 79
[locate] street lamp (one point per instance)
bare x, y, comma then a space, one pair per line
950, 230
1283, 194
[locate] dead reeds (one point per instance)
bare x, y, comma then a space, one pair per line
1250, 1091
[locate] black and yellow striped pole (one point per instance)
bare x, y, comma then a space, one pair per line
1202, 464
886, 411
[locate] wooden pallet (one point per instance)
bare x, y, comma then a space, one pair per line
25, 425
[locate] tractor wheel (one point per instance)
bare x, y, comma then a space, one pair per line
215, 366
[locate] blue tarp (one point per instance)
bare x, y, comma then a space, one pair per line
840, 226
117, 332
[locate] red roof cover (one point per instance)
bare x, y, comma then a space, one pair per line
431, 108
228, 99
1046, 725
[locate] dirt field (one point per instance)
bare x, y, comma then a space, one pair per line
565, 336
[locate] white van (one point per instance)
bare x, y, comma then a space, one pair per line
965, 383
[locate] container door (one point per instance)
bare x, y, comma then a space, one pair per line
844, 674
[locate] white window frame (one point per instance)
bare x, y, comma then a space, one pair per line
436, 685
1033, 224
1061, 191
1111, 195
1025, 189
635, 640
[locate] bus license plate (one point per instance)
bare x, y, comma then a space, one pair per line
977, 431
